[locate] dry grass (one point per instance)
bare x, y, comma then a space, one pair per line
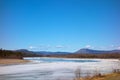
12, 61
112, 76
115, 75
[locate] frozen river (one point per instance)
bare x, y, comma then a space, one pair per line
56, 68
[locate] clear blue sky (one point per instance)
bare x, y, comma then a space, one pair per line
60, 25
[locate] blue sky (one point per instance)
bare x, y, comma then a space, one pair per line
60, 25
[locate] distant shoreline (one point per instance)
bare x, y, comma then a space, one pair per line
12, 61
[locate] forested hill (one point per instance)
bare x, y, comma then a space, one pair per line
7, 54
11, 54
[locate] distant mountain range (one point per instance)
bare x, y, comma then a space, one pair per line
81, 51
90, 51
42, 52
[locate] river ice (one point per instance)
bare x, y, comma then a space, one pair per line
56, 68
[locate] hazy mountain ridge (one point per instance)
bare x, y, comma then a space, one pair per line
41, 52
91, 51
81, 51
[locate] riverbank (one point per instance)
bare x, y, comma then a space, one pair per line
112, 76
12, 61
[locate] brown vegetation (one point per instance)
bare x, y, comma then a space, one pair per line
105, 55
98, 76
7, 54
12, 61
112, 76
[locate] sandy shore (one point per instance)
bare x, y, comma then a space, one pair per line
12, 61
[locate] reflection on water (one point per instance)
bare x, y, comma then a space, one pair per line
55, 68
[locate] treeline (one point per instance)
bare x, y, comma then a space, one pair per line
7, 54
19, 55
105, 55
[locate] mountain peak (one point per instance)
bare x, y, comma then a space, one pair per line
90, 51
84, 50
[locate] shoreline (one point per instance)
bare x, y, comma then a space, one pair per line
110, 76
12, 61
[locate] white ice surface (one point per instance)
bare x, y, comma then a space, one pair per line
58, 69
